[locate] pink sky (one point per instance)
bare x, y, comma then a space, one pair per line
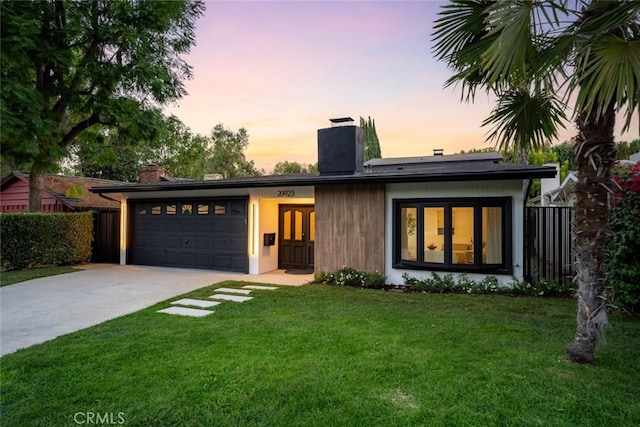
283, 69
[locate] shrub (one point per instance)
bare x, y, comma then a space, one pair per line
32, 239
320, 277
348, 276
488, 285
622, 251
374, 280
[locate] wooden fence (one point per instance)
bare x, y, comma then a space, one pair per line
548, 244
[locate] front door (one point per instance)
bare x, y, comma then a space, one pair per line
297, 236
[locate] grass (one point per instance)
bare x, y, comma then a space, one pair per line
15, 276
327, 356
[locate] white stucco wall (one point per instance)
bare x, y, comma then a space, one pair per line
447, 190
263, 218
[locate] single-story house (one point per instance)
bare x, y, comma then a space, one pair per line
59, 194
442, 213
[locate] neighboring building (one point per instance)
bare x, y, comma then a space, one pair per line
559, 195
458, 214
57, 194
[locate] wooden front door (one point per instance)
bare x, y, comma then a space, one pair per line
297, 231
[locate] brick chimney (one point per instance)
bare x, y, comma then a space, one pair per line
151, 173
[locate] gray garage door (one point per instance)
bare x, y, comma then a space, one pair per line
209, 234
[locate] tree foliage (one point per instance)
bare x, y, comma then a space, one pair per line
371, 142
286, 167
226, 153
623, 244
69, 65
108, 154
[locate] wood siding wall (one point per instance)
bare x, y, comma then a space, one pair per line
350, 227
15, 197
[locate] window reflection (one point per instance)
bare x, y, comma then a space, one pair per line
408, 234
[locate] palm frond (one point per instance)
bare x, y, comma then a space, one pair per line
460, 39
607, 17
610, 75
508, 55
525, 121
460, 25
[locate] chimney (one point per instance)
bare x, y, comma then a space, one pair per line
340, 148
151, 173
547, 185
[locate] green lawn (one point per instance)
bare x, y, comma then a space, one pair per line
11, 277
330, 356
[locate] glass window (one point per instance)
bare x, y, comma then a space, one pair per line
453, 235
492, 235
203, 209
462, 235
408, 234
171, 209
286, 234
156, 209
220, 210
187, 209
434, 234
298, 225
142, 211
312, 226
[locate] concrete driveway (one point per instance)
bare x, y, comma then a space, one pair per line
39, 310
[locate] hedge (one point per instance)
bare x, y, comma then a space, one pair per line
32, 239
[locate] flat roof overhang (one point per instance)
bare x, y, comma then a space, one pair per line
442, 174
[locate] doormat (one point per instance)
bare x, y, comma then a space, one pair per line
298, 271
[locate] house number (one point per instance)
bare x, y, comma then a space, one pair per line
286, 193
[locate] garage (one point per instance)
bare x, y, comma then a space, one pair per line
208, 234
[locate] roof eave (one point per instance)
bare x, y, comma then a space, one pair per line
332, 179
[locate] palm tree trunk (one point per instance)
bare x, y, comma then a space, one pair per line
595, 154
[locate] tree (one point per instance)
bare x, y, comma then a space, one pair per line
287, 167
67, 66
181, 152
540, 58
109, 154
371, 142
227, 155
625, 149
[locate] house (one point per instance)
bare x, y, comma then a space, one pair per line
60, 193
458, 214
71, 194
558, 194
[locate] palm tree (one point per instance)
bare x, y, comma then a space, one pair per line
541, 58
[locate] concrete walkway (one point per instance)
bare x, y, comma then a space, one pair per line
39, 310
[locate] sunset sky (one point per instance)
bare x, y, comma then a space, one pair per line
283, 69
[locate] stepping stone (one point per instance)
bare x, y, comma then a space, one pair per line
233, 291
236, 298
184, 311
196, 302
260, 288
